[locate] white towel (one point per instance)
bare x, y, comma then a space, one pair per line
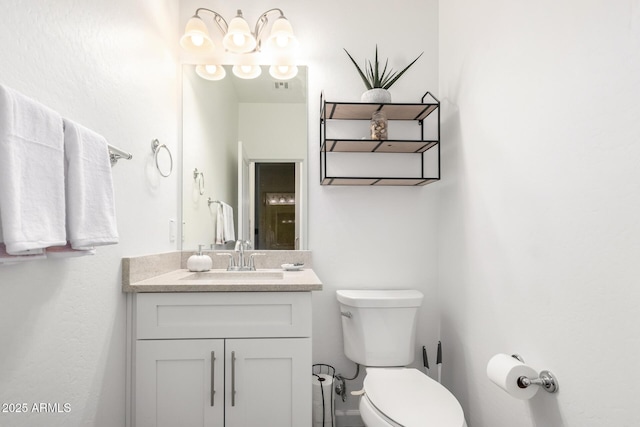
223, 228
228, 226
6, 258
91, 213
218, 225
32, 199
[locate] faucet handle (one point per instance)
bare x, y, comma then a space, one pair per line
232, 262
251, 261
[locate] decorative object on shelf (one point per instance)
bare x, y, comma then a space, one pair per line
378, 81
379, 125
376, 96
244, 44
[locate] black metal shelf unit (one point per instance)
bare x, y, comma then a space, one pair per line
417, 112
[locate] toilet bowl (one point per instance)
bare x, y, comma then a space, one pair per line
405, 397
378, 329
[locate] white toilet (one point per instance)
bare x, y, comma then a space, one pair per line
379, 330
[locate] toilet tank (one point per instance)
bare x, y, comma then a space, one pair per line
379, 326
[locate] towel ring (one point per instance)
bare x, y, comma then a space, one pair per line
156, 147
199, 178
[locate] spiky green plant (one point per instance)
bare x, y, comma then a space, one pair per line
373, 77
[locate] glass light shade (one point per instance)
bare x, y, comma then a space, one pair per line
281, 36
239, 38
196, 36
283, 72
211, 71
247, 71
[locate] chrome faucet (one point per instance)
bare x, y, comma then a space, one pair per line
241, 246
243, 263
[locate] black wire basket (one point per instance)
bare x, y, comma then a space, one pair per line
320, 374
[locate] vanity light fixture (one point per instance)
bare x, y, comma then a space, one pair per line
238, 39
281, 198
211, 72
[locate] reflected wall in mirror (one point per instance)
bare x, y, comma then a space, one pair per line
267, 120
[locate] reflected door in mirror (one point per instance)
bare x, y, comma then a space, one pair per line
275, 201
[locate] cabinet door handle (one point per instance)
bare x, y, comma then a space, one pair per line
233, 378
213, 375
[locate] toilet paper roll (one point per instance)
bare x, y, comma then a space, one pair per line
323, 401
504, 371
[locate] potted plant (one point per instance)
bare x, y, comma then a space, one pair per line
378, 81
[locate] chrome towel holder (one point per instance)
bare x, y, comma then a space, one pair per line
155, 148
116, 154
199, 178
210, 201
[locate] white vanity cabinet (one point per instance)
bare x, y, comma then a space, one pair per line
232, 359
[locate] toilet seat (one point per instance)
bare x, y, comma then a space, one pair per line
409, 398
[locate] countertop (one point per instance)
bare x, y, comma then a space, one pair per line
183, 280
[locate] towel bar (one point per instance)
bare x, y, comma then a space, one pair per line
116, 154
210, 201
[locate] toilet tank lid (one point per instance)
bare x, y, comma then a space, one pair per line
380, 298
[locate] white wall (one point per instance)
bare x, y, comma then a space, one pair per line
539, 206
110, 65
273, 131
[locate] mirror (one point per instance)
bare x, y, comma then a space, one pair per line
234, 131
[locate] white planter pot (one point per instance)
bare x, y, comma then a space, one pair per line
377, 95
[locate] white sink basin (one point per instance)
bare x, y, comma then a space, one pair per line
235, 275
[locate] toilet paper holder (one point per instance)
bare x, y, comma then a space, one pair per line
545, 379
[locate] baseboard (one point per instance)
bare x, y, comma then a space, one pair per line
350, 418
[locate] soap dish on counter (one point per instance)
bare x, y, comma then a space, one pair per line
293, 267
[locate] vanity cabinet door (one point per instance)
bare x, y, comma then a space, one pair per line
268, 383
174, 380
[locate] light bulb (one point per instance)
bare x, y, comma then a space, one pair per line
238, 39
282, 41
197, 40
211, 69
283, 71
245, 68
